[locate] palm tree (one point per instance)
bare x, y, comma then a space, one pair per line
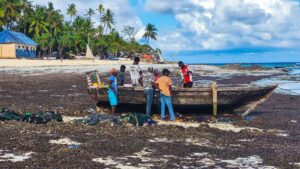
27, 10
11, 10
2, 15
38, 22
72, 11
150, 32
90, 12
100, 10
107, 20
57, 23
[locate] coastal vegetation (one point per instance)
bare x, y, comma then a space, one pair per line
54, 33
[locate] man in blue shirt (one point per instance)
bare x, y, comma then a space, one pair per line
113, 90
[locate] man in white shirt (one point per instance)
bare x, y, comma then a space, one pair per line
135, 72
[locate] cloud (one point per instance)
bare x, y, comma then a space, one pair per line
124, 13
229, 24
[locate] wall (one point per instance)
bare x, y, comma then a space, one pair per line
7, 51
25, 51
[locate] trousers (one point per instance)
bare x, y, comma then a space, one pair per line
166, 100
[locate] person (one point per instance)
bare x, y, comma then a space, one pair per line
113, 90
121, 75
148, 83
186, 74
156, 74
135, 72
164, 84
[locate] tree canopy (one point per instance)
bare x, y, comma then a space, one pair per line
49, 28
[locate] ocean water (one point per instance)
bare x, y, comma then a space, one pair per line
287, 84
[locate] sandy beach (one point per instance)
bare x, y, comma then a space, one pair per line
40, 63
269, 138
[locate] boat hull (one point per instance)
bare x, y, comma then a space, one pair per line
191, 97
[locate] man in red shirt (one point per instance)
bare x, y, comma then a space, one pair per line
186, 74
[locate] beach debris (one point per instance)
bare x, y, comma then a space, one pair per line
29, 117
8, 114
15, 157
73, 146
65, 141
95, 118
137, 119
42, 117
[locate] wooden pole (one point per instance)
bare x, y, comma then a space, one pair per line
214, 89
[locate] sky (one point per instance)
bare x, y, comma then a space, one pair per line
209, 31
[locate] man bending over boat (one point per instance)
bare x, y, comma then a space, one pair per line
186, 75
113, 90
164, 84
135, 72
148, 80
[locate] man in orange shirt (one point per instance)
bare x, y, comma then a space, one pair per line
164, 84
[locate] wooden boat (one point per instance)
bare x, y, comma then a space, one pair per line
223, 97
193, 97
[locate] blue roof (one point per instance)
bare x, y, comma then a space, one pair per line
15, 37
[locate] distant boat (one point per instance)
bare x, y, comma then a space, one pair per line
89, 53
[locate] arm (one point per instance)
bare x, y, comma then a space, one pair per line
190, 70
111, 86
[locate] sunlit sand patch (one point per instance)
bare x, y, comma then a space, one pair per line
247, 162
64, 141
43, 91
295, 164
189, 141
230, 127
120, 162
246, 140
202, 154
202, 143
57, 95
237, 129
108, 161
182, 124
160, 140
75, 94
15, 157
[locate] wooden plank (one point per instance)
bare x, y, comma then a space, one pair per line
214, 98
254, 104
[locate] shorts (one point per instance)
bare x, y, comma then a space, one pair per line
112, 97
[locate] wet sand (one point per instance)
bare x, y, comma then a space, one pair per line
270, 139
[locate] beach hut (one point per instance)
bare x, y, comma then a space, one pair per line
16, 45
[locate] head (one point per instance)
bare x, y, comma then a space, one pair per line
181, 64
113, 71
165, 72
122, 68
136, 60
150, 69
